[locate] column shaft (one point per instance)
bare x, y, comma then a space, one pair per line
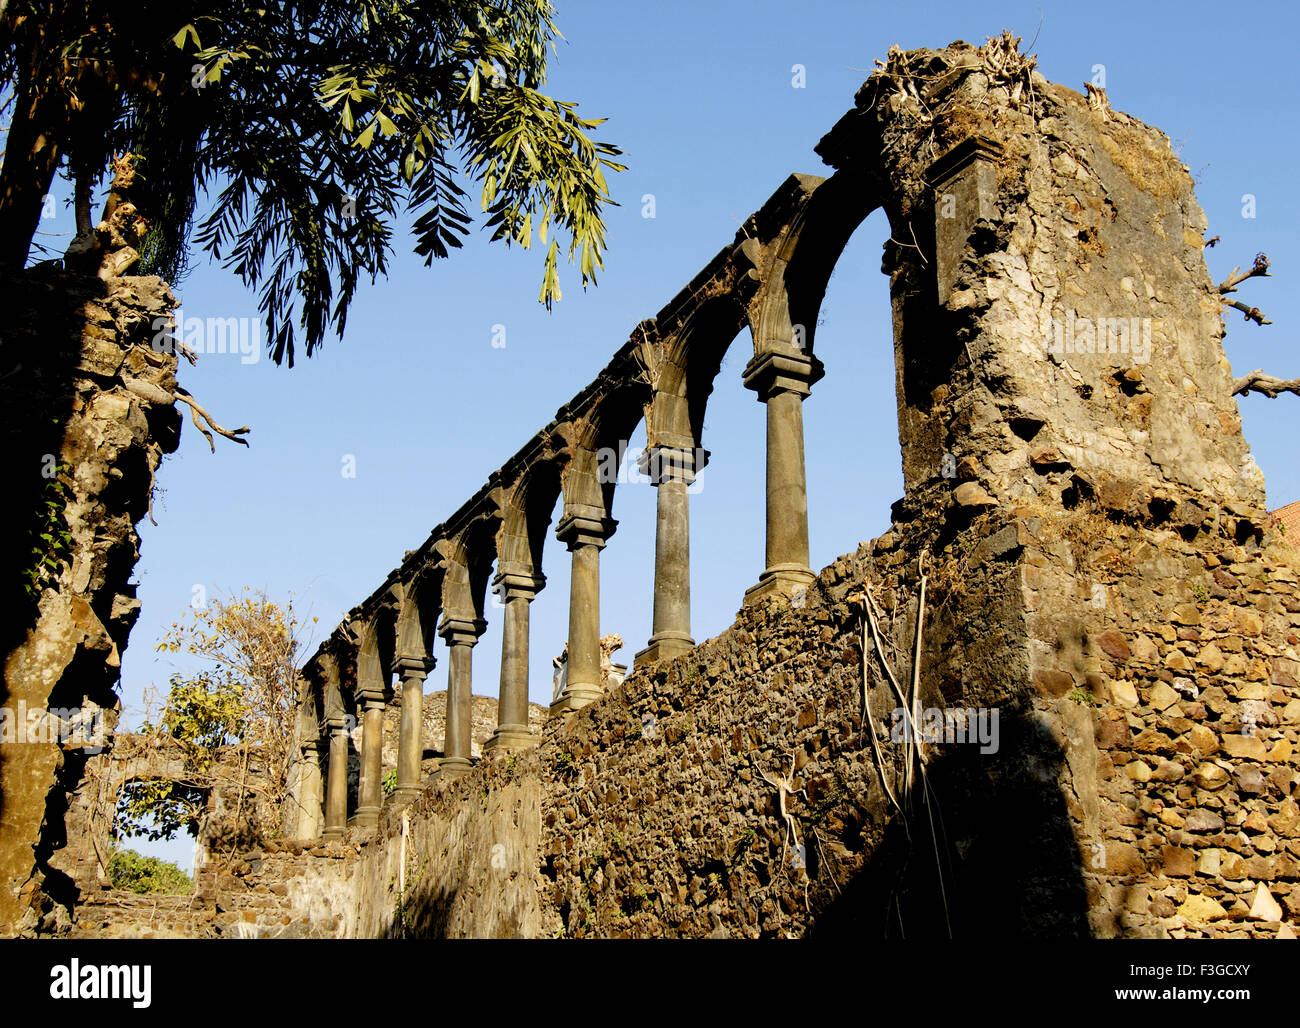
512, 731
782, 380
309, 792
336, 803
370, 798
512, 708
459, 692
410, 746
671, 632
584, 623
787, 489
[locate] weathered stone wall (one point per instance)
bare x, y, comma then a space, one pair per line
1125, 799
277, 890
281, 887
433, 712
470, 852
1124, 796
239, 807
82, 344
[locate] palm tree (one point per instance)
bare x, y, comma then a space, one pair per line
308, 127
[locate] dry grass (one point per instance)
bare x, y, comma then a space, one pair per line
1148, 164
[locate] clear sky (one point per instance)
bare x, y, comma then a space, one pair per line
701, 98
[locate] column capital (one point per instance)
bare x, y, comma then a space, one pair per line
311, 746
371, 697
773, 372
582, 529
461, 631
337, 725
666, 463
409, 665
958, 158
511, 583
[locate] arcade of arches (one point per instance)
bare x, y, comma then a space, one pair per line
1082, 548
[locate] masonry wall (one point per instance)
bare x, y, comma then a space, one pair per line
1123, 800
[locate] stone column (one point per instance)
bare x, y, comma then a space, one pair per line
410, 745
585, 537
517, 592
370, 794
782, 380
336, 802
309, 791
672, 470
460, 634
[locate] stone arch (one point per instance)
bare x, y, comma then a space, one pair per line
378, 645
798, 263
418, 603
596, 439
683, 360
467, 557
527, 504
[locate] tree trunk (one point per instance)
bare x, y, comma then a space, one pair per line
31, 158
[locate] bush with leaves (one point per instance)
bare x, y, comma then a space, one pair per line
203, 714
135, 872
247, 697
51, 541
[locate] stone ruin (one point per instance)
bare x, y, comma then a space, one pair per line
1081, 578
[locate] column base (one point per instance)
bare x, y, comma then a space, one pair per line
664, 646
367, 817
332, 835
404, 794
511, 738
780, 581
575, 697
454, 767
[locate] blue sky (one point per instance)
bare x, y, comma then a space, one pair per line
700, 97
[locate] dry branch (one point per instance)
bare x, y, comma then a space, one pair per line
1229, 285
156, 394
1258, 382
197, 411
1260, 267
1252, 313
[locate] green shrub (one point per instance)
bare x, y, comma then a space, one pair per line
147, 875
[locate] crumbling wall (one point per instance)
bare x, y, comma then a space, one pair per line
1082, 547
278, 889
1066, 504
1154, 795
239, 806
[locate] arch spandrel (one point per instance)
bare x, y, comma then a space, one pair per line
330, 679
596, 442
682, 368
